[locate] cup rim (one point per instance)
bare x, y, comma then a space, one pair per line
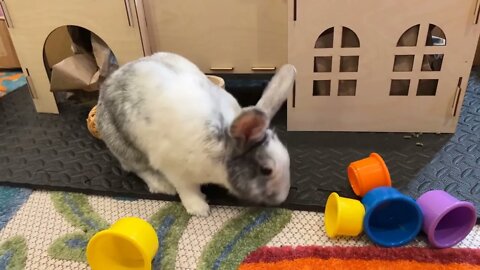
354, 176
353, 180
434, 223
109, 233
384, 167
334, 197
394, 197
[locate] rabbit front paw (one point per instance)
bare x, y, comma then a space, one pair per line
157, 184
198, 208
162, 187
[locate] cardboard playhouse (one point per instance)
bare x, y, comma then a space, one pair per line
396, 66
371, 65
8, 56
115, 24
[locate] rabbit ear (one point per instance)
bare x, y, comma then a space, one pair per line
249, 126
277, 90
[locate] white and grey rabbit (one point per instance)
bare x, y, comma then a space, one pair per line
164, 120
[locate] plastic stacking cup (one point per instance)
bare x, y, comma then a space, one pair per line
129, 244
391, 218
367, 174
343, 216
447, 220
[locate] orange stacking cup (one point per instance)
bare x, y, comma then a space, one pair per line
367, 174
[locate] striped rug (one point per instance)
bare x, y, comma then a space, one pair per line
369, 257
44, 230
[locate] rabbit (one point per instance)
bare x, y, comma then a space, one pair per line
165, 121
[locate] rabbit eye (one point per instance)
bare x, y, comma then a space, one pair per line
265, 171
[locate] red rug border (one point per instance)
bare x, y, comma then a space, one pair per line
443, 256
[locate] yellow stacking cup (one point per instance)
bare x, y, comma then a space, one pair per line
343, 216
129, 244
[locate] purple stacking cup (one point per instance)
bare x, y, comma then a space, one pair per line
447, 220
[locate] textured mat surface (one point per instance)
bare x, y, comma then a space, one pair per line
57, 152
456, 168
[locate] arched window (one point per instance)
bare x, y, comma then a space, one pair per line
324, 62
325, 40
408, 63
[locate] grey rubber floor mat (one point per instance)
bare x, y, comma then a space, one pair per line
456, 167
56, 152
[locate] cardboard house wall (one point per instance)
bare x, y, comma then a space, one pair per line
119, 23
366, 65
393, 66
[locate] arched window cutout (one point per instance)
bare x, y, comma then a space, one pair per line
323, 64
349, 63
349, 38
347, 87
325, 40
80, 41
321, 88
427, 87
435, 36
409, 38
399, 87
403, 63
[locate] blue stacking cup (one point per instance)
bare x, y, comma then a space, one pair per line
391, 218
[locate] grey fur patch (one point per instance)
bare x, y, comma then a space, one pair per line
217, 128
217, 134
120, 143
116, 107
244, 171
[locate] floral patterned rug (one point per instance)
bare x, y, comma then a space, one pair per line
50, 230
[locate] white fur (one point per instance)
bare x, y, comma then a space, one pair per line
281, 169
185, 167
179, 104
